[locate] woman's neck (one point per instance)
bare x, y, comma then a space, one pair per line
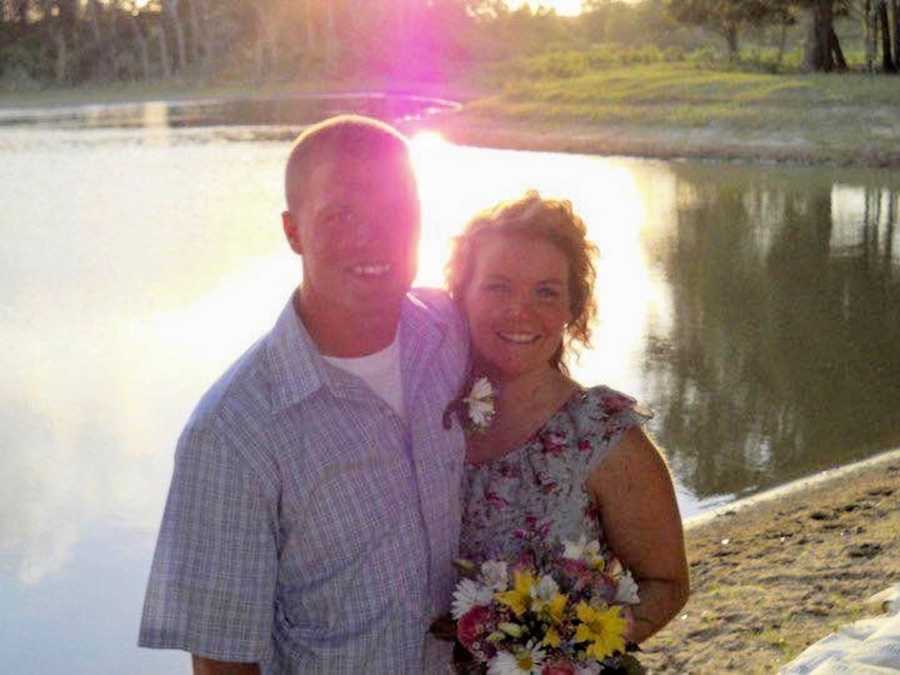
523, 405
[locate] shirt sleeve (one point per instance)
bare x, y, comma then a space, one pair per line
212, 583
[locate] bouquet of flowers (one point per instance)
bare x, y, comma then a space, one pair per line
560, 610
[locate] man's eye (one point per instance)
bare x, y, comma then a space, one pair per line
495, 287
342, 218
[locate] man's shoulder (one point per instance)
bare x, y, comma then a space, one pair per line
436, 298
437, 304
244, 387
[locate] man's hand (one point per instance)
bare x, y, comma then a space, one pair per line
203, 666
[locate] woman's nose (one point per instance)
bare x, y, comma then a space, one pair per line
518, 305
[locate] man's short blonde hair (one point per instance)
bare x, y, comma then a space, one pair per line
352, 136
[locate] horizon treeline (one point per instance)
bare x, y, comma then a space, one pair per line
72, 42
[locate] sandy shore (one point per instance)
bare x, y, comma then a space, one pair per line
775, 575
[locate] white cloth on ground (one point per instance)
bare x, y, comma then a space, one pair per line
865, 647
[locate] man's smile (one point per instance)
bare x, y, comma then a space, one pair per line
371, 270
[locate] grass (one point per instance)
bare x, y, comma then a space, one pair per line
847, 118
659, 103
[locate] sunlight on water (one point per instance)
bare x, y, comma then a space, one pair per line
457, 182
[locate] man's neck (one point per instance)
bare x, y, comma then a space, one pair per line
344, 334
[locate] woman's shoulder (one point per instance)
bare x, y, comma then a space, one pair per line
601, 402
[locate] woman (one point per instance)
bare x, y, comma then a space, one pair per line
557, 458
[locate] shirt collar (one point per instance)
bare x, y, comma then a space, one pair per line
298, 370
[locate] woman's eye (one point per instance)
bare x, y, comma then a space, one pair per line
547, 293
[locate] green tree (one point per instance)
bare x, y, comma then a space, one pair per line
728, 17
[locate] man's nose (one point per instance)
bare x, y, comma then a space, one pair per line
366, 231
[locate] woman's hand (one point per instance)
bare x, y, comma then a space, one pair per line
633, 489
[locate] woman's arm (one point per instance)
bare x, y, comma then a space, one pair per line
633, 489
204, 666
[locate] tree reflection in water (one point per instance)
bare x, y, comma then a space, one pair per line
784, 352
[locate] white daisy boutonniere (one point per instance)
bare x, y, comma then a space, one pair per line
476, 409
480, 404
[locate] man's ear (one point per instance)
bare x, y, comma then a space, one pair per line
291, 232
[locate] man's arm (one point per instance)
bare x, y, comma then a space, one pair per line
203, 666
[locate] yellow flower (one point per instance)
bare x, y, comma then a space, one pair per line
551, 638
603, 628
519, 598
556, 607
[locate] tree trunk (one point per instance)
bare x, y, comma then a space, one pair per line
887, 61
94, 18
197, 38
171, 9
893, 198
731, 38
164, 59
818, 39
310, 15
209, 48
869, 31
840, 63
895, 6
62, 56
267, 21
782, 43
331, 41
141, 41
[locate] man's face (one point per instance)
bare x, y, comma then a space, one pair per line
357, 228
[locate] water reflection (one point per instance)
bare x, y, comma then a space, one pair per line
295, 110
784, 353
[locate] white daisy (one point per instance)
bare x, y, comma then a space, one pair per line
588, 551
545, 589
480, 403
469, 594
526, 661
482, 389
627, 590
495, 575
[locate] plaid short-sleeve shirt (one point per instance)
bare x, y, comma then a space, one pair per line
307, 527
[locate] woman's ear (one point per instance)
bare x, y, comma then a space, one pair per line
291, 232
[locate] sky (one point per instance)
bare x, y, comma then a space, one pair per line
562, 7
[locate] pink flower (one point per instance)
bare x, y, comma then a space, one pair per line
604, 587
474, 625
584, 445
496, 500
554, 443
578, 572
558, 668
616, 403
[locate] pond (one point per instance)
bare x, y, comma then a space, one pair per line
755, 309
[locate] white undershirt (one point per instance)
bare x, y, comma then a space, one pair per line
381, 371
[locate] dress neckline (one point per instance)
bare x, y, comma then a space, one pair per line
578, 393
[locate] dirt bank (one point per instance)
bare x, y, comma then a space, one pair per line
774, 577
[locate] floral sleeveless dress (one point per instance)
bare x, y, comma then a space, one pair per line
538, 487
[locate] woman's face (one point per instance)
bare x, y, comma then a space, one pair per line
517, 303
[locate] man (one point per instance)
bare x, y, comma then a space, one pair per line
314, 511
